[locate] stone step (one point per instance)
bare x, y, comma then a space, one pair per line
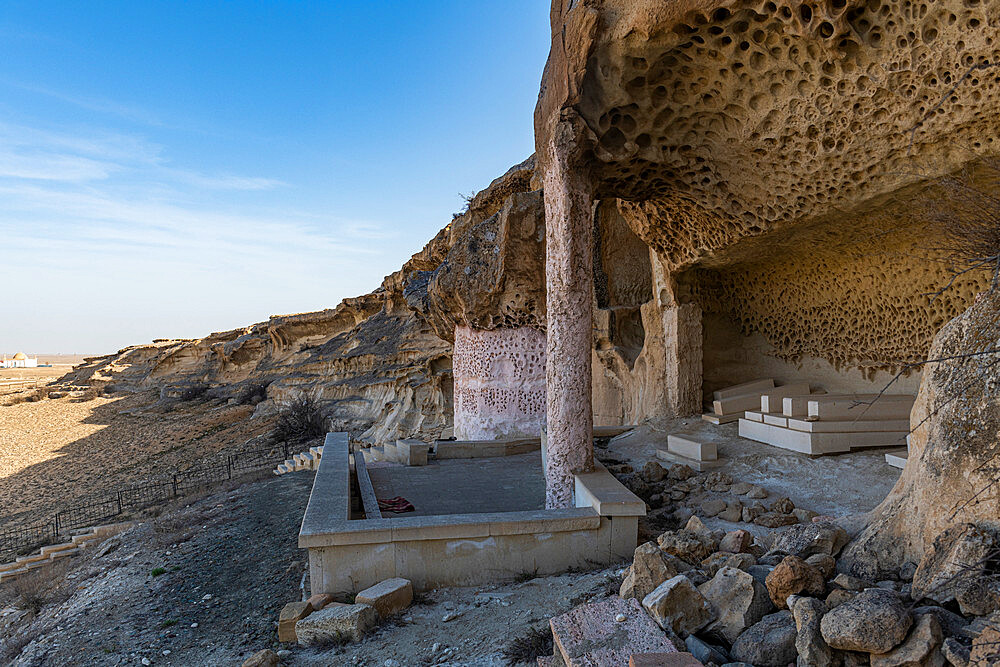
65, 553
721, 419
52, 548
884, 407
816, 444
897, 458
759, 386
692, 446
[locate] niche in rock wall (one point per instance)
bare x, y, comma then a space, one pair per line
623, 280
844, 307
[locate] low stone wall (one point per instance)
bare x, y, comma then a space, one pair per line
348, 555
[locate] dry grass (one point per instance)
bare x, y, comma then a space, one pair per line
534, 644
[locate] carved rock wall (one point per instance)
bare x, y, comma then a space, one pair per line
499, 380
954, 460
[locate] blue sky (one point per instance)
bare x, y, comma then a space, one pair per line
169, 169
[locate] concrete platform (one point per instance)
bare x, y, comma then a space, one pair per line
496, 528
466, 486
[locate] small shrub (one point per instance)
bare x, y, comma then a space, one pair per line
157, 571
252, 393
534, 644
302, 420
194, 392
30, 593
168, 623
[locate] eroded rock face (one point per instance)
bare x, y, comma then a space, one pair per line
953, 449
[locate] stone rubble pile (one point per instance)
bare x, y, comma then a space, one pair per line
730, 599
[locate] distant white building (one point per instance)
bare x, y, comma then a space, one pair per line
20, 360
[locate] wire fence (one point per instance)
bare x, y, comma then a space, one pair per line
27, 531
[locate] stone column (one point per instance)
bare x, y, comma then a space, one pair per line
569, 281
682, 337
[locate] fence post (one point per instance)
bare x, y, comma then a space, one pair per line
285, 446
55, 526
121, 506
229, 466
175, 485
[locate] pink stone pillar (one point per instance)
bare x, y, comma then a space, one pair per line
569, 281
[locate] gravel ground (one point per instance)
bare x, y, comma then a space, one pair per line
231, 563
55, 451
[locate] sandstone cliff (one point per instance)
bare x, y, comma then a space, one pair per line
378, 366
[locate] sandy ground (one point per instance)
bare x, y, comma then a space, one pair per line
55, 452
231, 563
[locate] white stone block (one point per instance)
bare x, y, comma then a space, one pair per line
690, 446
745, 388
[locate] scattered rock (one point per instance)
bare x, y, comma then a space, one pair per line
678, 606
804, 540
874, 621
775, 520
336, 622
713, 507
804, 516
680, 472
979, 596
687, 545
809, 643
768, 643
920, 649
741, 488
752, 512
650, 568
388, 597
757, 493
319, 601
696, 525
849, 583
739, 599
985, 649
733, 512
791, 577
952, 563
263, 658
824, 563
951, 623
736, 541
955, 652
907, 570
718, 481
705, 652
837, 597
653, 472
783, 506
291, 613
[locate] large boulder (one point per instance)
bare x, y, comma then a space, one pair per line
768, 643
793, 576
952, 450
807, 539
873, 621
678, 606
739, 599
688, 545
957, 560
812, 649
650, 568
921, 648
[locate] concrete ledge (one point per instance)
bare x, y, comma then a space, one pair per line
459, 549
482, 449
609, 497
